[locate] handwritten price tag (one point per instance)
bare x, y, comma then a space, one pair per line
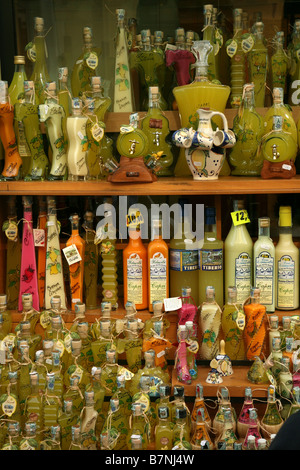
240, 217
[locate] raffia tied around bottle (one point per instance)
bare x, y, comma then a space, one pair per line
210, 324
256, 328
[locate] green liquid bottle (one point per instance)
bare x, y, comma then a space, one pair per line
248, 128
233, 324
10, 400
74, 394
132, 346
279, 62
90, 262
64, 98
258, 64
271, 420
66, 421
34, 402
75, 369
210, 325
109, 262
52, 405
278, 108
156, 127
16, 87
85, 66
88, 420
13, 438
163, 430
118, 423
30, 441
211, 268
110, 373
5, 315
181, 431
139, 426
40, 75
237, 60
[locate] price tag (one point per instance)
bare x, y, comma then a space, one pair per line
172, 304
240, 217
72, 254
39, 237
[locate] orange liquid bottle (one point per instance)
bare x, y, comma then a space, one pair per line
12, 159
256, 328
135, 270
76, 269
158, 266
41, 260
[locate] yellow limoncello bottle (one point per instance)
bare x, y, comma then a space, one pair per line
163, 430
138, 427
279, 62
233, 324
90, 262
280, 109
40, 75
258, 64
16, 87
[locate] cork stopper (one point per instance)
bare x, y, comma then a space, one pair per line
87, 35
137, 409
25, 327
39, 24
75, 430
157, 306
3, 300
47, 346
19, 60
114, 404
210, 292
105, 326
111, 356
76, 345
76, 106
30, 428
146, 36
13, 377
180, 36
79, 309
83, 329
96, 372
274, 322
55, 302
39, 356
51, 88
89, 397
34, 378
27, 301
68, 405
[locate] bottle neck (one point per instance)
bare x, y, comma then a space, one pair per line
40, 46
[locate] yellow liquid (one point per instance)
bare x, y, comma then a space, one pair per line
16, 88
211, 269
288, 123
163, 436
189, 98
258, 61
233, 335
13, 263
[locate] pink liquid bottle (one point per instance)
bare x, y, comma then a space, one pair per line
28, 272
181, 58
243, 419
253, 429
188, 311
181, 363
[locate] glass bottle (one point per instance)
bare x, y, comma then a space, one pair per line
233, 324
158, 265
85, 66
32, 339
54, 278
201, 432
210, 325
276, 358
34, 402
151, 376
110, 373
90, 262
117, 422
104, 340
135, 270
183, 256
40, 75
76, 269
24, 385
253, 428
123, 99
138, 427
258, 64
237, 60
64, 98
74, 393
52, 405
131, 344
30, 440
219, 419
13, 438
273, 330
12, 158
163, 430
28, 273
211, 269
288, 352
40, 368
66, 421
86, 359
28, 313
293, 51
286, 330
123, 395
228, 432
285, 379
201, 93
5, 316
41, 249
109, 262
248, 128
243, 418
164, 399
209, 35
75, 369
238, 249
198, 404
181, 430
52, 114
264, 264
78, 143
181, 365
76, 438
26, 112
286, 264
179, 402
10, 400
94, 133
57, 333
58, 376
272, 420
156, 127
279, 61
13, 256
278, 108
16, 87
256, 328
88, 420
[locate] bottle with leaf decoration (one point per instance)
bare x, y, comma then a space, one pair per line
88, 420
38, 52
258, 64
13, 255
75, 369
67, 419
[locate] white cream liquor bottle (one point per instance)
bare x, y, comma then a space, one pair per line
264, 264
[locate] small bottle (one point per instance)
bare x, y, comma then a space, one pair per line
78, 144
52, 405
123, 395
164, 398
75, 369
30, 440
76, 438
163, 430
88, 423
253, 429
210, 325
5, 315
182, 369
288, 352
181, 429
76, 269
285, 379
16, 87
228, 433
108, 254
264, 264
272, 420
152, 376
233, 324
258, 63
199, 403
74, 394
13, 437
110, 373
201, 432
66, 421
251, 443
139, 426
255, 320
64, 98
273, 330
224, 404
40, 75
243, 419
279, 62
237, 60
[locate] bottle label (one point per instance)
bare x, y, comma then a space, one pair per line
135, 278
184, 260
243, 276
211, 260
264, 276
231, 48
23, 147
92, 60
247, 43
158, 277
9, 406
10, 227
286, 282
71, 254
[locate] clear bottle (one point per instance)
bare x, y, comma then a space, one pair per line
123, 395
138, 427
228, 433
118, 423
110, 373
179, 402
86, 359
74, 393
201, 432
163, 430
271, 421
219, 419
286, 263
10, 399
237, 60
85, 66
209, 325
76, 438
285, 379
40, 75
211, 268
264, 264
34, 402
253, 428
258, 64
199, 403
12, 158
123, 99
76, 269
233, 324
238, 249
54, 277
75, 369
256, 328
88, 420
27, 112
66, 421
16, 87
156, 127
164, 398
152, 376
13, 438
52, 114
273, 330
181, 430
245, 158
209, 35
64, 98
78, 143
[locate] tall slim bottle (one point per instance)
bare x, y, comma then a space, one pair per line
40, 75
264, 264
158, 265
211, 268
13, 256
238, 258
42, 250
12, 159
135, 270
286, 264
109, 259
209, 35
279, 62
123, 99
64, 97
90, 262
256, 327
237, 60
258, 64
54, 278
16, 87
210, 325
293, 49
28, 273
85, 66
78, 144
76, 269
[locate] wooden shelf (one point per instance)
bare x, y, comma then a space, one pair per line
236, 383
225, 185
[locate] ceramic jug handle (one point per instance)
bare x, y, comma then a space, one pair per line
225, 123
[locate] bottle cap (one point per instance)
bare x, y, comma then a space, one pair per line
38, 24
178, 391
163, 412
164, 390
55, 302
63, 73
285, 216
34, 378
264, 222
79, 308
114, 404
19, 59
180, 413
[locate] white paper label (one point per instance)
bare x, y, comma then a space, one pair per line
172, 304
39, 237
72, 254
